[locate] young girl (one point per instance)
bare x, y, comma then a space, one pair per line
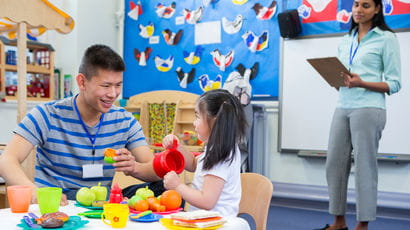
220, 123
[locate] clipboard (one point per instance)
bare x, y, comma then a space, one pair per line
329, 68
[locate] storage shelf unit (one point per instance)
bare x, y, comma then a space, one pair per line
40, 65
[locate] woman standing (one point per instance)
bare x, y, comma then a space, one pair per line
371, 52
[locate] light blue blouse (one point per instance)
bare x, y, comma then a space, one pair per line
375, 59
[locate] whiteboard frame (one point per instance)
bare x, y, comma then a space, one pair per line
304, 125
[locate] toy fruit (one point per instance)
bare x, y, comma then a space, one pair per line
155, 204
100, 192
131, 202
171, 199
144, 193
85, 196
109, 154
141, 205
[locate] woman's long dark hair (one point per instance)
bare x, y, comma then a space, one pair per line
378, 19
226, 118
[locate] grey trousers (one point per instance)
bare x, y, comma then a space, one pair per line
357, 131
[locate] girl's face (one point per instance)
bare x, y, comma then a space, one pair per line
363, 11
202, 128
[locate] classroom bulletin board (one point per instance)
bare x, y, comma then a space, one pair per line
196, 45
173, 45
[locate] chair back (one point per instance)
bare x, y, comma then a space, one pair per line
256, 196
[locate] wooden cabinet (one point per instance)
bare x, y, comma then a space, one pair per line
184, 111
40, 70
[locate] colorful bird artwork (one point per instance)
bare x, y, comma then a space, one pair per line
239, 2
232, 27
222, 61
238, 82
264, 13
142, 56
193, 58
172, 38
135, 10
165, 11
343, 16
164, 65
146, 31
256, 43
185, 78
193, 16
206, 84
207, 2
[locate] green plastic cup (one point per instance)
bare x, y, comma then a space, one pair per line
49, 199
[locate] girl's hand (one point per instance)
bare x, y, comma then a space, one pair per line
171, 180
352, 80
168, 141
125, 161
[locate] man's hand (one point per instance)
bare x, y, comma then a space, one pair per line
125, 162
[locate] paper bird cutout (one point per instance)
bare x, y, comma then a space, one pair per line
136, 10
172, 38
222, 61
304, 11
343, 16
193, 16
142, 56
206, 84
239, 2
207, 2
234, 26
193, 58
164, 65
146, 31
255, 43
185, 78
238, 83
165, 11
264, 13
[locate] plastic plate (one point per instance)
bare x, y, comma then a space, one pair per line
92, 214
168, 223
89, 207
74, 222
148, 218
160, 213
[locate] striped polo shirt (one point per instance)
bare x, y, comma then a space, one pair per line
63, 145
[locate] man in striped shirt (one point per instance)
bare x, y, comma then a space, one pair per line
70, 135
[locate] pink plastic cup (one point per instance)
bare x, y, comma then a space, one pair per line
168, 160
19, 197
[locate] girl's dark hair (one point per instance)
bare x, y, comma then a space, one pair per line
378, 19
100, 57
226, 118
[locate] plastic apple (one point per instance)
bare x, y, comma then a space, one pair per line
144, 192
85, 196
100, 192
131, 202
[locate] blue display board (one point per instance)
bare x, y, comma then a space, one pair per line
333, 16
142, 78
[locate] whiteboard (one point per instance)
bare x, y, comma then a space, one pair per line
307, 102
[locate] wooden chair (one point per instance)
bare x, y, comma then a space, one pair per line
256, 196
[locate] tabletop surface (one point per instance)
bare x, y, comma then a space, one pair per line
10, 220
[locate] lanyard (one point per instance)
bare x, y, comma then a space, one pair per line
91, 137
351, 49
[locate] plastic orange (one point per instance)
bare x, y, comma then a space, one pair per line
155, 204
109, 153
141, 205
171, 199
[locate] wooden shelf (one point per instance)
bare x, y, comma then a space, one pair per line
43, 74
